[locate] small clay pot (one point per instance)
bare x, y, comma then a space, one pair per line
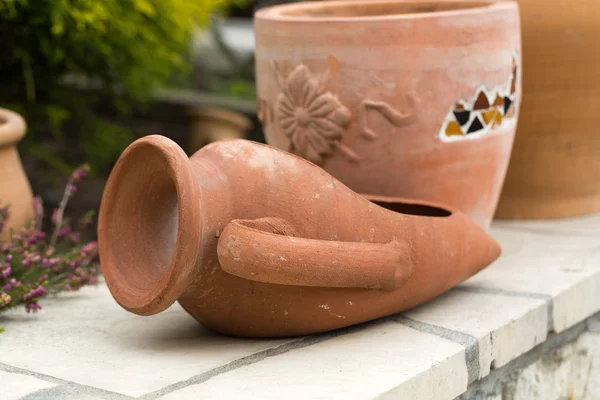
15, 190
401, 98
211, 124
555, 167
254, 241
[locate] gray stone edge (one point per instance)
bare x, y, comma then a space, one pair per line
502, 380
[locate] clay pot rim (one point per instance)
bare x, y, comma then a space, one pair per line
12, 127
287, 12
186, 252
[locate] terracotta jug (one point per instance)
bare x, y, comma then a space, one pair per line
402, 98
15, 190
555, 167
254, 241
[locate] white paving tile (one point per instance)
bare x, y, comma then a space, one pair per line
564, 266
387, 361
15, 386
505, 327
88, 339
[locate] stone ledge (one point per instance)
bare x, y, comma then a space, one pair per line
83, 346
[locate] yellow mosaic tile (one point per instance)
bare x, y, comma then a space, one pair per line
453, 129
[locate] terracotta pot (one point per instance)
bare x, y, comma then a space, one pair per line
212, 124
555, 168
14, 186
397, 98
254, 241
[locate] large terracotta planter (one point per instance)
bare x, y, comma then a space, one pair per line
555, 167
398, 98
15, 190
254, 241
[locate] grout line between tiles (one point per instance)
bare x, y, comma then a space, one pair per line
257, 357
469, 342
513, 293
106, 394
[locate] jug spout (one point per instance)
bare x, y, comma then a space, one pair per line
150, 226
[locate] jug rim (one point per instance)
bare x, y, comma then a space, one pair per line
147, 259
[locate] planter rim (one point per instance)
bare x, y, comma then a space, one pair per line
12, 127
301, 12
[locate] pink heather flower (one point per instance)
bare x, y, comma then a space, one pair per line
6, 272
85, 223
90, 249
9, 257
34, 293
93, 280
64, 231
33, 307
15, 282
38, 208
80, 173
49, 262
5, 299
71, 190
74, 237
55, 215
7, 287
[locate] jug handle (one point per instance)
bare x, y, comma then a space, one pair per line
268, 250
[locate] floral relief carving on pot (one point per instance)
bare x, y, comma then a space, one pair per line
310, 116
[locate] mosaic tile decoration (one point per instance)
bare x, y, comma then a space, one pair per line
487, 111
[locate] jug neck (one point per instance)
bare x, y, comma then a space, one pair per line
150, 226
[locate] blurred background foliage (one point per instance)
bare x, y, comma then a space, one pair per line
63, 60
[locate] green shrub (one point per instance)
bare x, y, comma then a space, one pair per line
126, 48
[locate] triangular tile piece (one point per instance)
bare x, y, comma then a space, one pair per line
507, 103
453, 129
482, 102
462, 116
513, 85
476, 125
499, 101
489, 115
497, 120
511, 112
459, 106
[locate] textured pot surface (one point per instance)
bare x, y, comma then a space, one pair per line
397, 98
555, 168
254, 241
15, 190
